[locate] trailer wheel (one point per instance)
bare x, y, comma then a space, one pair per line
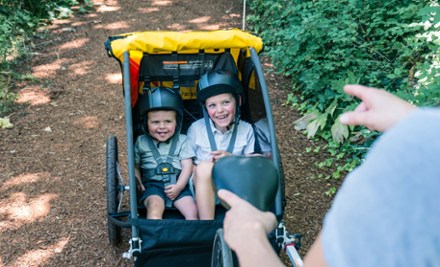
221, 253
113, 190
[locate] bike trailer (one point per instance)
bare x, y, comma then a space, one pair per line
177, 60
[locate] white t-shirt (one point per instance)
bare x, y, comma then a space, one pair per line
199, 141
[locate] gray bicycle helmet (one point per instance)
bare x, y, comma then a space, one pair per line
216, 83
162, 98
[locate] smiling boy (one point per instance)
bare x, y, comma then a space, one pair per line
219, 134
153, 151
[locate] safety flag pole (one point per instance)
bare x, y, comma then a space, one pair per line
243, 27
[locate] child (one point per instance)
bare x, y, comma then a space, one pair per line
161, 154
218, 134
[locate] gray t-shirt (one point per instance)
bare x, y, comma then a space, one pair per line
143, 157
387, 213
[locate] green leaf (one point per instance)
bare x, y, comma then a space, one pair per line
391, 76
5, 123
331, 191
331, 109
339, 131
312, 128
304, 121
315, 125
352, 78
316, 150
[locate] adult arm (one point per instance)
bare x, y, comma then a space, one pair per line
243, 221
379, 109
315, 256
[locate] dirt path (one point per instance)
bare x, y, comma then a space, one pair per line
52, 170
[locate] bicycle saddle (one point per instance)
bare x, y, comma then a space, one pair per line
254, 179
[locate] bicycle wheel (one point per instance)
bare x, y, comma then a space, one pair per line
113, 191
221, 253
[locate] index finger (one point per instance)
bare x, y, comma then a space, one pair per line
356, 90
229, 198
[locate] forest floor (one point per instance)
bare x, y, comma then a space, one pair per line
52, 170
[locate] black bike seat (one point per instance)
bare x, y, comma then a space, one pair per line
254, 179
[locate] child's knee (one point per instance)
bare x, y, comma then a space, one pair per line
153, 202
192, 213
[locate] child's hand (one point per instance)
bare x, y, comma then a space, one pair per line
172, 191
219, 154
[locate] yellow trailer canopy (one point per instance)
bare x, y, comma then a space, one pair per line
168, 42
154, 42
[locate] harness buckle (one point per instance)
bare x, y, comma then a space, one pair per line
165, 168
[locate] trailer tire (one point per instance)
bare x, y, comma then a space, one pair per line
221, 253
113, 189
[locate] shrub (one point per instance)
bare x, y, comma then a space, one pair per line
323, 45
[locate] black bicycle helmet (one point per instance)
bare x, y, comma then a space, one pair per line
216, 83
162, 98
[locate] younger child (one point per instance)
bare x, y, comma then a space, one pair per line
163, 160
220, 133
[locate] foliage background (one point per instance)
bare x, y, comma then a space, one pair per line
323, 45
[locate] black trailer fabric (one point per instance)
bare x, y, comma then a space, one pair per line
193, 256
177, 242
176, 232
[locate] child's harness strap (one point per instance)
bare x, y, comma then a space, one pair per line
165, 166
231, 144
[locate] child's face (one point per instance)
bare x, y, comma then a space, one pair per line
161, 124
221, 110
